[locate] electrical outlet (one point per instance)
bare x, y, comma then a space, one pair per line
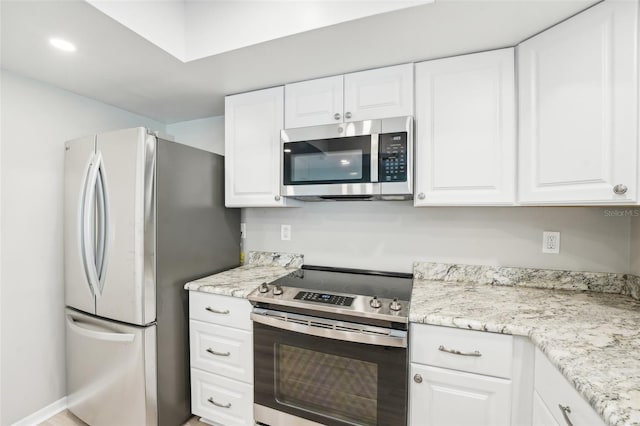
551, 242
285, 232
243, 230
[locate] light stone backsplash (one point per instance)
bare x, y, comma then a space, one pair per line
269, 258
601, 282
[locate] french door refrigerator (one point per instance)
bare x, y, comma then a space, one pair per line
143, 216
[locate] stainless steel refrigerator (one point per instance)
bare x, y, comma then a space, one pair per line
143, 216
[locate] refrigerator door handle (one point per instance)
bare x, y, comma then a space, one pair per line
107, 335
88, 225
104, 224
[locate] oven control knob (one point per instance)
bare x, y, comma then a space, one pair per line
375, 303
277, 290
264, 288
395, 305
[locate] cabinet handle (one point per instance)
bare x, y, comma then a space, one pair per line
417, 378
347, 115
336, 116
566, 410
212, 352
456, 352
620, 189
277, 198
215, 311
421, 196
217, 404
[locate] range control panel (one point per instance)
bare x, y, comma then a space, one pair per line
330, 299
392, 165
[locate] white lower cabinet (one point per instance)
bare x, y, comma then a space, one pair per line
448, 397
561, 400
453, 377
541, 414
220, 400
221, 356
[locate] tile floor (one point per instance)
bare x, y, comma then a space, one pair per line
65, 418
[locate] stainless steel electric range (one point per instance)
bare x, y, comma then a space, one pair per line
330, 348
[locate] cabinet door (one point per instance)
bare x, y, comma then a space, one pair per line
313, 102
465, 130
578, 109
252, 125
541, 415
453, 398
379, 93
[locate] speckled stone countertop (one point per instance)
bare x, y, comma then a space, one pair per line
592, 337
239, 282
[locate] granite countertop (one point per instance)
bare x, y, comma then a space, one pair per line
239, 282
592, 337
587, 324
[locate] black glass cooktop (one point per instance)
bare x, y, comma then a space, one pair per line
350, 281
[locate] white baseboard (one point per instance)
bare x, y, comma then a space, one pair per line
43, 414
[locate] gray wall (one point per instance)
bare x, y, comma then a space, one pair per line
205, 133
36, 121
635, 242
391, 235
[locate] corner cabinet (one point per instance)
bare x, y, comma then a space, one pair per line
252, 125
366, 95
465, 130
578, 91
556, 402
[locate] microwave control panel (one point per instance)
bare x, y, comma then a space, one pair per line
392, 165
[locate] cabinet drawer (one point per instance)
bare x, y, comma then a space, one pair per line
222, 350
222, 310
221, 400
429, 345
556, 391
445, 397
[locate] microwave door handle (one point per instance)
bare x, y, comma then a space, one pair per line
375, 153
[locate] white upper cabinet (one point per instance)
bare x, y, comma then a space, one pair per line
578, 109
314, 102
379, 93
366, 95
465, 130
252, 149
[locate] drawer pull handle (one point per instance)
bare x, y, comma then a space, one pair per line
215, 311
212, 352
217, 404
456, 352
566, 410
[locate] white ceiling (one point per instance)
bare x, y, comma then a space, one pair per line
195, 29
117, 66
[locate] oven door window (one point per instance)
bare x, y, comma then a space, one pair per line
328, 381
338, 387
323, 161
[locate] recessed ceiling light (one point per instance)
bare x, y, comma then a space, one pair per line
62, 44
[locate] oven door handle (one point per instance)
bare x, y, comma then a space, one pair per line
396, 338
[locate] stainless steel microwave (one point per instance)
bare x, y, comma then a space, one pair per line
362, 160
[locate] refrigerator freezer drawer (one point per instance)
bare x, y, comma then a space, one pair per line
111, 371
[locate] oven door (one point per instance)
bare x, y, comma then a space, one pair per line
327, 380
